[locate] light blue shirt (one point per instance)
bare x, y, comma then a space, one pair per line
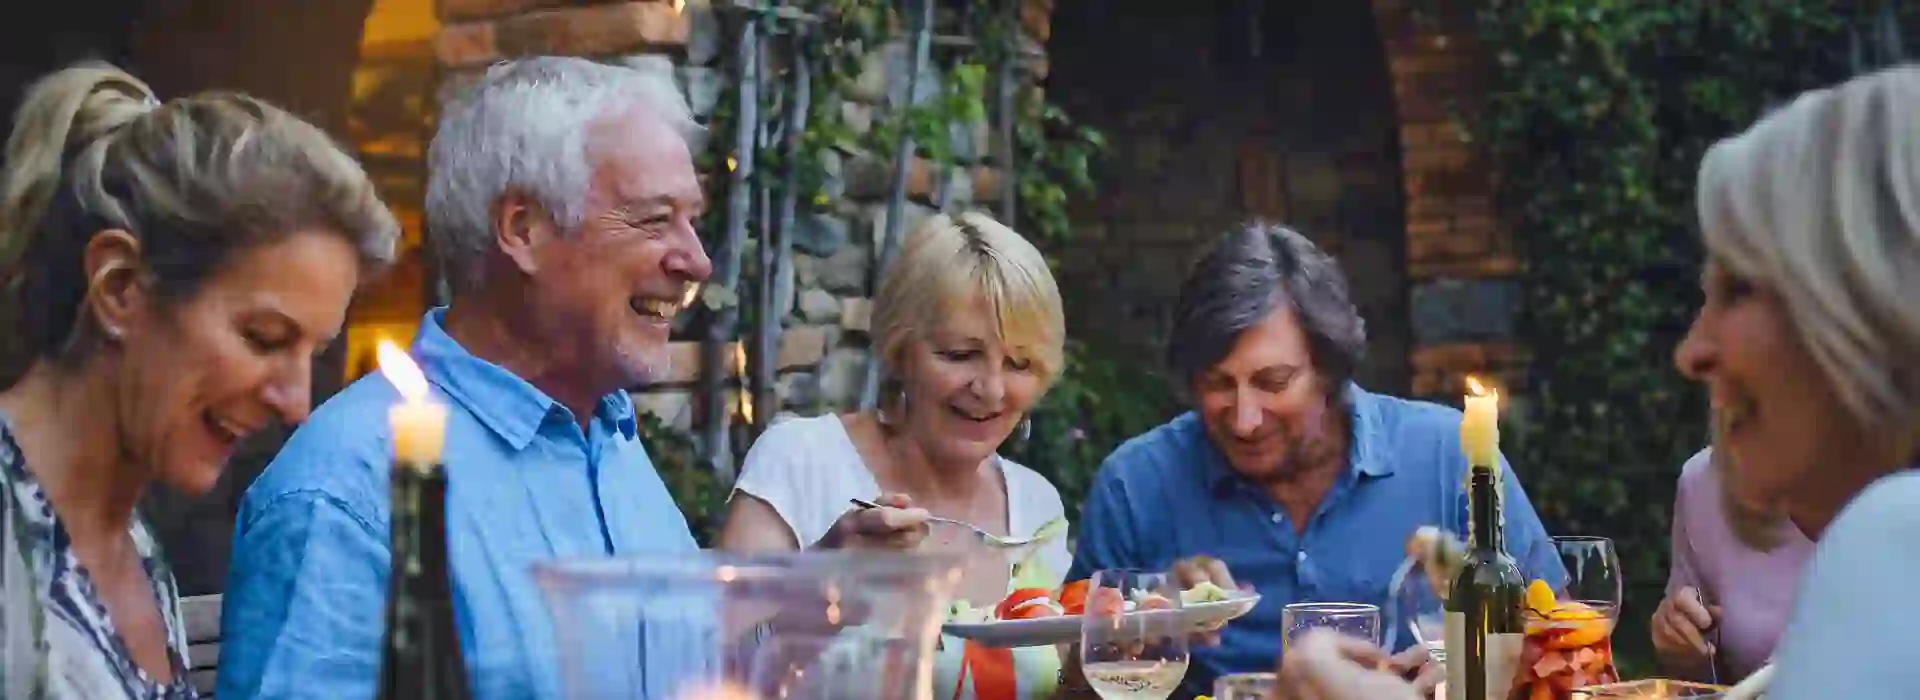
1855, 631
306, 593
1169, 494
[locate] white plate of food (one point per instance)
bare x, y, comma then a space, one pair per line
1035, 617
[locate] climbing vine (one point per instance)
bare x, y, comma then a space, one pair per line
1597, 119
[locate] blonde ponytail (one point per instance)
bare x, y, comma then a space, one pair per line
69, 111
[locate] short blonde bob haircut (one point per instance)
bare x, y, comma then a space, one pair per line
1820, 202
947, 263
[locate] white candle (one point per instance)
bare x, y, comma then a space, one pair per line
1480, 427
419, 423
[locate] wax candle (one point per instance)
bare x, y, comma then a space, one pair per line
419, 423
1480, 427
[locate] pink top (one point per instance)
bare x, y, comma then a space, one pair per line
1754, 589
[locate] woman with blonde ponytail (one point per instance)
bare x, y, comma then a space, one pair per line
168, 272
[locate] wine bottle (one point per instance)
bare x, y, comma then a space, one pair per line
1485, 626
420, 656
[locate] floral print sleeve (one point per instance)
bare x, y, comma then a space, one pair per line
23, 651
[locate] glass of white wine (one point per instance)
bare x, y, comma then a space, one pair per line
1133, 638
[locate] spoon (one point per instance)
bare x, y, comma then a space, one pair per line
1046, 532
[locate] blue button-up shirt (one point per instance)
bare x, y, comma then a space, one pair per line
307, 587
1169, 494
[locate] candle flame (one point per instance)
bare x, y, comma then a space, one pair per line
1477, 389
401, 371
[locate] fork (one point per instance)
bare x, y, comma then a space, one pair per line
1046, 532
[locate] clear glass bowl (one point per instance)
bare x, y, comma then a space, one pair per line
713, 626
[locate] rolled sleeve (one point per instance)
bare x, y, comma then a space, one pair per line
302, 615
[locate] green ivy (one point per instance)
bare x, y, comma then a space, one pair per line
1098, 402
1597, 118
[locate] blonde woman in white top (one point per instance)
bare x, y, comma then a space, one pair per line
970, 331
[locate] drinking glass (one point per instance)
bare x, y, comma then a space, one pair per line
1569, 641
1352, 619
1243, 686
1133, 640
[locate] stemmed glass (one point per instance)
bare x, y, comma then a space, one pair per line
1133, 640
1569, 641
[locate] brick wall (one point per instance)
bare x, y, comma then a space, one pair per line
1460, 252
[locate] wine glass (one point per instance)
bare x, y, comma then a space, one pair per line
1352, 619
1133, 638
1569, 642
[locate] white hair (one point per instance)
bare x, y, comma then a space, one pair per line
1820, 202
523, 126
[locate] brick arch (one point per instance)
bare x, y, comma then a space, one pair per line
1459, 257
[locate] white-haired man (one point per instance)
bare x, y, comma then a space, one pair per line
561, 200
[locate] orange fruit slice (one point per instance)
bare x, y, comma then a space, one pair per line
1540, 598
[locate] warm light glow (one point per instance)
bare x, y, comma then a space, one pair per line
732, 163
740, 369
401, 371
1475, 388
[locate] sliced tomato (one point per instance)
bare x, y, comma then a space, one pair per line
1006, 607
1033, 609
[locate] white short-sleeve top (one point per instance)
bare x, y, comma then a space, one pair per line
808, 469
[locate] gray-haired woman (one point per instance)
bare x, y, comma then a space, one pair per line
1807, 341
174, 267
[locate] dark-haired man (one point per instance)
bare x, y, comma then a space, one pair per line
1305, 485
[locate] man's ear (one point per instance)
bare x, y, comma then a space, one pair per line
521, 225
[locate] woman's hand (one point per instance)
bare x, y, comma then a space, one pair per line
1680, 627
895, 525
1327, 665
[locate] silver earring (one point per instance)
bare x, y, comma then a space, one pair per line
1025, 431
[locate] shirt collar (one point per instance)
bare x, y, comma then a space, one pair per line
499, 399
1365, 455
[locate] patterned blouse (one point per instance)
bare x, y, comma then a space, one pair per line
56, 639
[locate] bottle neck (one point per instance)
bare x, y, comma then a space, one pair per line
420, 533
1485, 524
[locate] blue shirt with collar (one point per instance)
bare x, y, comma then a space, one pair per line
306, 591
1170, 494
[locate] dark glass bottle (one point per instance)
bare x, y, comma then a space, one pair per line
420, 657
1485, 623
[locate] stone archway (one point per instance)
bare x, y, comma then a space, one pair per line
1432, 267
1222, 111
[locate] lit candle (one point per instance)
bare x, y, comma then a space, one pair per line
1480, 428
419, 423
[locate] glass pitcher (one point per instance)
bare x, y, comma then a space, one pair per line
713, 625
